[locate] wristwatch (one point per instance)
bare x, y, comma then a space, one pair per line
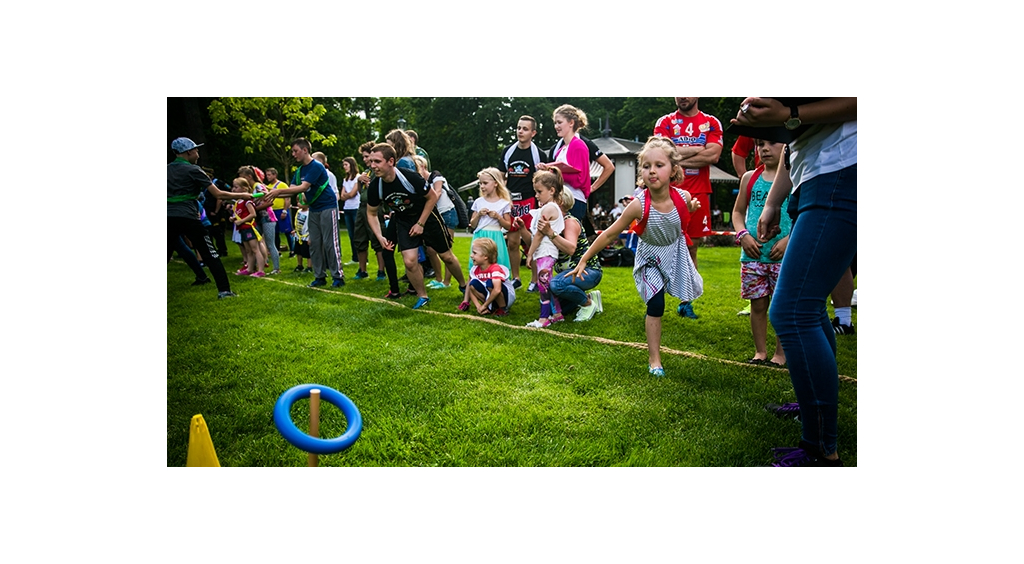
794, 118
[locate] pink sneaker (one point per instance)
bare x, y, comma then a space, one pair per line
258, 274
557, 318
243, 272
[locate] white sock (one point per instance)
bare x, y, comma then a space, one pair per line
843, 313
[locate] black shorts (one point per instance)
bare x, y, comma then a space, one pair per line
247, 234
302, 249
435, 234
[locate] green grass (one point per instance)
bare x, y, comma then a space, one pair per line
456, 390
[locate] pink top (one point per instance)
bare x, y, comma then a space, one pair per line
576, 155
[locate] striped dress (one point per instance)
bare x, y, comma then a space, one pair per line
662, 259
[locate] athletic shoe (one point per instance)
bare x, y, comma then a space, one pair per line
586, 312
201, 282
258, 274
658, 372
298, 269
464, 306
801, 456
309, 269
421, 302
784, 411
853, 302
500, 312
275, 271
242, 272
411, 291
393, 295
435, 285
542, 322
338, 283
361, 274
686, 310
462, 290
532, 287
595, 296
226, 294
318, 282
381, 275
517, 283
841, 329
744, 311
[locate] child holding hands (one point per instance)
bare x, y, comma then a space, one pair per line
662, 262
489, 287
245, 221
492, 212
760, 261
548, 186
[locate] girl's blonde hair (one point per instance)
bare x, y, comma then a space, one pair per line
489, 248
577, 116
241, 183
420, 161
566, 201
499, 180
669, 148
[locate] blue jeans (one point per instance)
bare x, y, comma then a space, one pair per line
350, 226
822, 244
573, 294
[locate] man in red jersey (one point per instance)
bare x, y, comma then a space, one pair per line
698, 139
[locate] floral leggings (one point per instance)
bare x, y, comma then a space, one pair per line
549, 305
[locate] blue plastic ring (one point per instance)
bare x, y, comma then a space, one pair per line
292, 434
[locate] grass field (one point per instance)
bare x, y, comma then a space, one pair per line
438, 387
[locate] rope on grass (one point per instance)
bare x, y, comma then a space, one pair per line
601, 340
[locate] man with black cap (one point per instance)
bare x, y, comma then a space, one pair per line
185, 182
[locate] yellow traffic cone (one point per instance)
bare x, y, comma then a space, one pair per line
200, 445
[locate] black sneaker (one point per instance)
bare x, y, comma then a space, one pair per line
318, 282
338, 283
201, 282
804, 455
226, 294
784, 411
841, 329
517, 283
411, 291
393, 295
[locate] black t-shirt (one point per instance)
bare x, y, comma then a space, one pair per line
397, 196
184, 183
520, 169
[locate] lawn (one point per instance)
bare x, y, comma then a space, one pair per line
438, 387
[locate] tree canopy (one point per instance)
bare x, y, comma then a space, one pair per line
462, 135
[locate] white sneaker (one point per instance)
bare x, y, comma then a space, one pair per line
595, 297
744, 311
586, 313
853, 302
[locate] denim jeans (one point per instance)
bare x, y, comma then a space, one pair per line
573, 294
269, 231
350, 226
822, 244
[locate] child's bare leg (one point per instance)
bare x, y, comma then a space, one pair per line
653, 328
435, 263
759, 326
454, 268
261, 259
514, 256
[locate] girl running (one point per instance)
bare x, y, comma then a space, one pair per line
662, 261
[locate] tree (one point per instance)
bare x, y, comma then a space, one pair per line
267, 126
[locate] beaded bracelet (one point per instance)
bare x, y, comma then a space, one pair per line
741, 235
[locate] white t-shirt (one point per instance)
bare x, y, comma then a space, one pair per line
487, 222
444, 203
823, 149
349, 186
546, 247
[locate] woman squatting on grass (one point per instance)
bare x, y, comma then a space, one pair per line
663, 260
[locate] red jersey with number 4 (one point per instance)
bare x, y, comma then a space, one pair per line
697, 131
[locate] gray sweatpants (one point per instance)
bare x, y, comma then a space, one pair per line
324, 247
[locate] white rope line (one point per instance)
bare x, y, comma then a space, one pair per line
601, 340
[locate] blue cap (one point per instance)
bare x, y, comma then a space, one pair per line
183, 145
